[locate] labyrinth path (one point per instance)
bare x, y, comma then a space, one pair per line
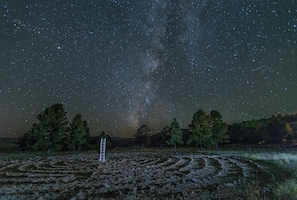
133, 176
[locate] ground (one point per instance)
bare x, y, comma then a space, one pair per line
135, 175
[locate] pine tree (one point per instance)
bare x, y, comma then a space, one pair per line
38, 137
78, 134
219, 128
52, 132
200, 130
175, 133
87, 137
54, 123
159, 139
142, 136
33, 140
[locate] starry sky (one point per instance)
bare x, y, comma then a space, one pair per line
125, 63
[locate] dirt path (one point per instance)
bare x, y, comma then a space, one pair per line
134, 176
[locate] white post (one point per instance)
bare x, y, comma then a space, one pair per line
102, 149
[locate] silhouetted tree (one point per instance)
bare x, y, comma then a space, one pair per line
48, 132
77, 135
269, 131
27, 140
159, 139
35, 139
38, 137
86, 146
142, 136
21, 143
186, 136
54, 123
200, 130
175, 134
276, 131
219, 128
52, 132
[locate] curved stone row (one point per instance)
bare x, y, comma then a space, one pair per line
132, 175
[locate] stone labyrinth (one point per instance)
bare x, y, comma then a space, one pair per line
133, 176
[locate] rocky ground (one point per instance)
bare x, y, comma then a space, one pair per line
134, 176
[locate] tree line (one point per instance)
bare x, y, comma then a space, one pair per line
209, 130
203, 131
274, 130
54, 132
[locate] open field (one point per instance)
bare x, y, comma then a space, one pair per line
138, 175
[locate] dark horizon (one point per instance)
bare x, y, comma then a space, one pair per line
131, 135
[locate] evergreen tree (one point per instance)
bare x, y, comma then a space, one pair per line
54, 123
38, 138
78, 134
142, 136
276, 131
200, 130
87, 136
186, 136
159, 139
102, 135
175, 134
21, 143
35, 139
219, 128
269, 131
52, 132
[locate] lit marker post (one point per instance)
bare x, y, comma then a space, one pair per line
102, 150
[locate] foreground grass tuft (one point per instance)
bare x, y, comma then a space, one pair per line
287, 190
287, 162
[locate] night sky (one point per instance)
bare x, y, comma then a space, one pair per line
125, 63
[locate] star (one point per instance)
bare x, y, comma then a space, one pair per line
123, 64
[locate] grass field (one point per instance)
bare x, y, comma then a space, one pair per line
285, 161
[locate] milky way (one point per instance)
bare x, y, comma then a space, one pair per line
122, 64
